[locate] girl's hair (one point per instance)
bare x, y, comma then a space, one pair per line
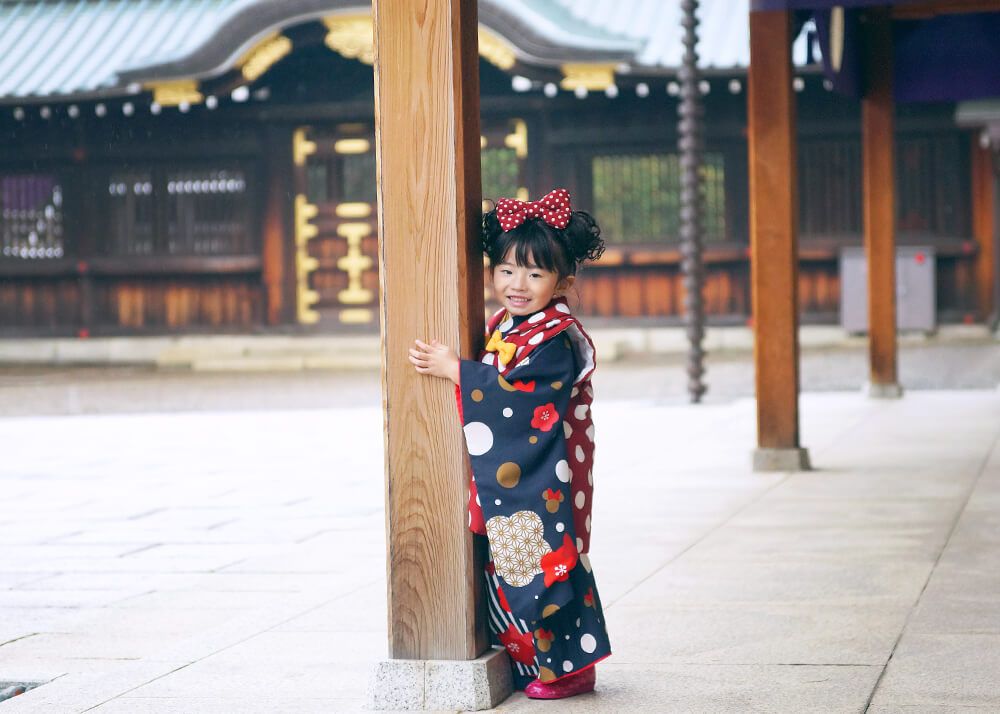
559, 250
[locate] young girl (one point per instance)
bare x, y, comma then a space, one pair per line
525, 407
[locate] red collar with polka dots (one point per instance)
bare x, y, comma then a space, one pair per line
535, 331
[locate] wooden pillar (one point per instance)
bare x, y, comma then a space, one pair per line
879, 202
430, 268
277, 244
984, 223
773, 241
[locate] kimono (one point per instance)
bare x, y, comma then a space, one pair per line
525, 408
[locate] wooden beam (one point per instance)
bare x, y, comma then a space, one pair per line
773, 226
984, 222
430, 265
879, 198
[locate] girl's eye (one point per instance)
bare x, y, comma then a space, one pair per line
535, 275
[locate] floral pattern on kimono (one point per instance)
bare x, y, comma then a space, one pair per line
526, 413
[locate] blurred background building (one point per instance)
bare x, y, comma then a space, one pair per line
186, 166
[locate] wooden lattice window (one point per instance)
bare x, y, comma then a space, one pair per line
931, 187
207, 212
179, 211
31, 216
357, 177
830, 188
637, 197
132, 218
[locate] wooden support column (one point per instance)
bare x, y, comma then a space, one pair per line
879, 203
277, 245
773, 242
984, 225
430, 268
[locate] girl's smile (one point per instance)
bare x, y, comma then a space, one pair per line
525, 289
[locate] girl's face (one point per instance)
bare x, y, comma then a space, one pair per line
526, 289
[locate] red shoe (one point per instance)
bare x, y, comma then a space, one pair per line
579, 683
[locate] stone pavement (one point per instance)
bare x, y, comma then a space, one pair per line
28, 390
233, 561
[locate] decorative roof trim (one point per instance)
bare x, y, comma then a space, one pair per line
256, 20
592, 77
176, 92
495, 49
247, 39
263, 56
352, 36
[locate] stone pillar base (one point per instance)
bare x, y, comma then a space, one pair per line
875, 390
796, 459
428, 684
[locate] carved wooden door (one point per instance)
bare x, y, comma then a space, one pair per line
335, 226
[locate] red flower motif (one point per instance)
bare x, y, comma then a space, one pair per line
545, 417
557, 564
524, 386
503, 599
588, 599
519, 645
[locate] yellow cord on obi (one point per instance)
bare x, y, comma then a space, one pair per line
504, 350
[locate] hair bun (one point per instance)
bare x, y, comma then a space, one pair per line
491, 230
583, 237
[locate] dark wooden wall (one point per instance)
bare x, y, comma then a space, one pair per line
250, 283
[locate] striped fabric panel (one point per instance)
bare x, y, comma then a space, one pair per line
500, 620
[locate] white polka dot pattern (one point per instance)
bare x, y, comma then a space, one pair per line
553, 208
478, 437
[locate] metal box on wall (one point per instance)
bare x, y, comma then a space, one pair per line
915, 291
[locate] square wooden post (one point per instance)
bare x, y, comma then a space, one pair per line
430, 268
278, 274
879, 203
984, 221
774, 242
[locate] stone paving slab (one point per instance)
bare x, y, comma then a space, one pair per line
695, 689
221, 562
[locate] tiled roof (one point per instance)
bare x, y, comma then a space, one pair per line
72, 48
62, 49
724, 36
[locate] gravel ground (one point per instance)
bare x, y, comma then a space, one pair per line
51, 391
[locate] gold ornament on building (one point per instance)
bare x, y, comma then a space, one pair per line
518, 139
263, 55
355, 263
352, 146
176, 92
302, 148
305, 264
353, 210
353, 36
592, 77
496, 50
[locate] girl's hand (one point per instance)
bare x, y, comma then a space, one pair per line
436, 359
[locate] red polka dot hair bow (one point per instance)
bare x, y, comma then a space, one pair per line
553, 208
